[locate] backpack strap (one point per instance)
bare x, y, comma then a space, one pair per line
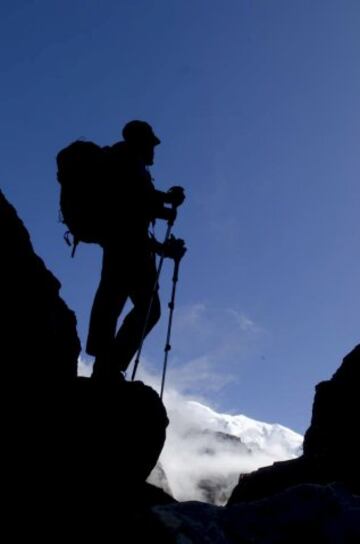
75, 244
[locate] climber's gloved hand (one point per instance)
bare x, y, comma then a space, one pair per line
175, 196
174, 248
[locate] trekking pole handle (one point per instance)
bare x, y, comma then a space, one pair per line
172, 218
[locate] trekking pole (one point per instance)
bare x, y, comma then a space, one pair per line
171, 306
162, 257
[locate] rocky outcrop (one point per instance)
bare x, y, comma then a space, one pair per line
334, 421
80, 456
117, 429
330, 452
305, 513
39, 343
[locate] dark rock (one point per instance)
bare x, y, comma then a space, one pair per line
331, 452
116, 429
331, 435
87, 451
39, 343
267, 481
326, 514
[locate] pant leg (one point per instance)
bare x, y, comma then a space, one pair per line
141, 291
109, 301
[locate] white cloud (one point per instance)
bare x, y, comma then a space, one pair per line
197, 375
222, 335
84, 366
244, 322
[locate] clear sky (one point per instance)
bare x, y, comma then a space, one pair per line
257, 106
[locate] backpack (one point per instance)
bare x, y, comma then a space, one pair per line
81, 170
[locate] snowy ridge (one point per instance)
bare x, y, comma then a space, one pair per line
205, 451
257, 435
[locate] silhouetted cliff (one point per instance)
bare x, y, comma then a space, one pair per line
331, 451
38, 329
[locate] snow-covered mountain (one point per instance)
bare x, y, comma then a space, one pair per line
205, 452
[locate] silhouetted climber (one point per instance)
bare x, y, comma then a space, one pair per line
129, 269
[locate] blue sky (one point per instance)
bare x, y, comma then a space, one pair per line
257, 107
